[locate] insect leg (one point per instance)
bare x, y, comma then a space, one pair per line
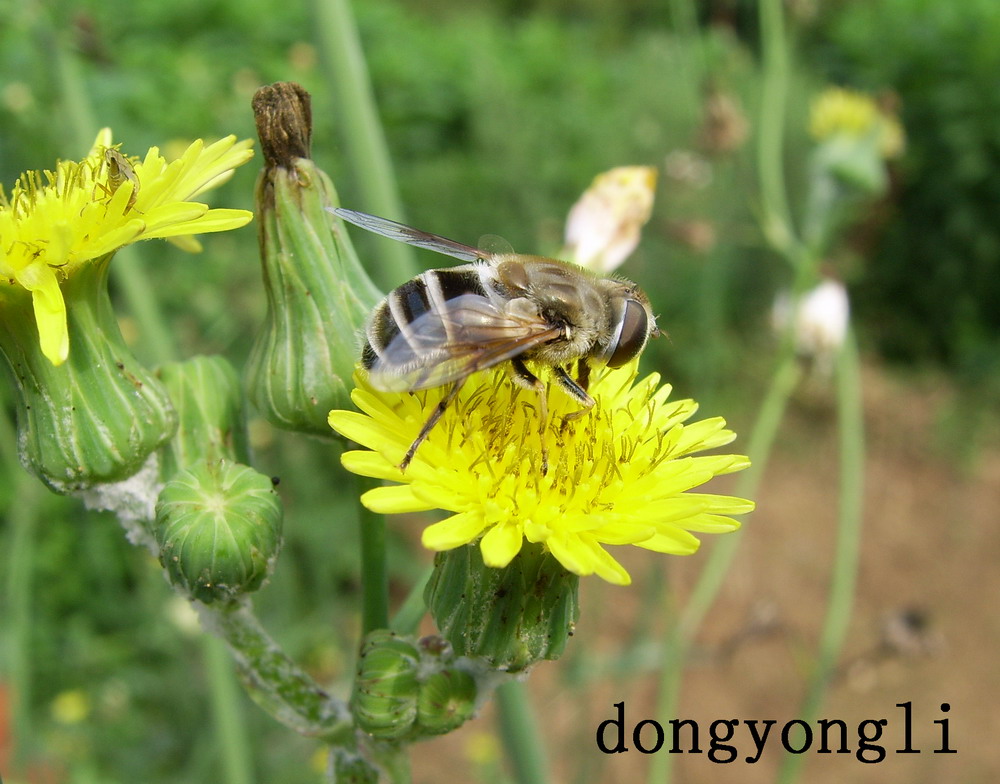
526, 378
576, 390
431, 421
583, 374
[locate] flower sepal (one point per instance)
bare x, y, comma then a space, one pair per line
96, 417
511, 617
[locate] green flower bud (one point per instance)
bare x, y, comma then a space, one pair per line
410, 691
218, 526
447, 700
385, 695
319, 296
511, 617
96, 417
208, 399
854, 161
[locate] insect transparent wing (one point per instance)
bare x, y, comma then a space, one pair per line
494, 245
409, 235
446, 344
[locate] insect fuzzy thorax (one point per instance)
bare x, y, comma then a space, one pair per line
445, 324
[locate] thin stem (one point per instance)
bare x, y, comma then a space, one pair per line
771, 127
340, 46
520, 733
678, 639
407, 618
374, 570
130, 278
684, 20
279, 686
21, 518
229, 726
845, 563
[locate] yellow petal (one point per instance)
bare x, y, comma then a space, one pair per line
673, 541
500, 544
457, 530
370, 464
210, 222
185, 242
50, 311
393, 500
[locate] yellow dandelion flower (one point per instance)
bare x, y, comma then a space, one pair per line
838, 111
55, 221
621, 474
70, 707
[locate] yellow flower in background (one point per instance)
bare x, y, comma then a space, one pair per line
70, 707
604, 226
838, 111
54, 221
621, 474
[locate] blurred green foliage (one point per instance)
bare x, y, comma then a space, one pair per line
931, 282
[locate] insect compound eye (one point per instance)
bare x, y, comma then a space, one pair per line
633, 330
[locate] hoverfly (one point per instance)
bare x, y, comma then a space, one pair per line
445, 324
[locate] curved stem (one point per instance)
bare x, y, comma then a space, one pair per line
271, 678
845, 563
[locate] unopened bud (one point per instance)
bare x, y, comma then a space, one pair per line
319, 296
218, 526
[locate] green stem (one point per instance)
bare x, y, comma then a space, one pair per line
845, 563
679, 636
130, 278
271, 678
684, 20
521, 734
771, 128
21, 518
234, 748
340, 46
407, 617
374, 570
